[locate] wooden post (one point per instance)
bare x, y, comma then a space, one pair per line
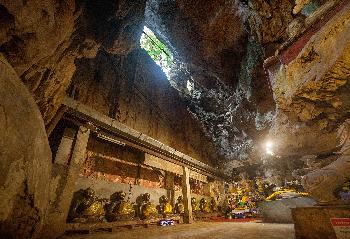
186, 192
170, 187
65, 147
63, 183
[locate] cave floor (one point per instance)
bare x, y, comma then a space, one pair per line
203, 230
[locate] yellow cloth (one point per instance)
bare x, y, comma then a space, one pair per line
168, 209
149, 209
95, 209
126, 208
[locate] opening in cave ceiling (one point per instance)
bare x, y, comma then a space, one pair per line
157, 50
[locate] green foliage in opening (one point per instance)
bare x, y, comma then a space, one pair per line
157, 50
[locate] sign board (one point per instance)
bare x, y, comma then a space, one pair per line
341, 227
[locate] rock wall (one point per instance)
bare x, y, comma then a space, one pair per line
311, 91
42, 40
25, 159
135, 91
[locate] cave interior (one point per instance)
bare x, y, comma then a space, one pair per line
213, 119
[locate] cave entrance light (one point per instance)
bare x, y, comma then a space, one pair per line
157, 50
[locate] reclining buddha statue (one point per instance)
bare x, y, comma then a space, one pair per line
118, 208
86, 207
323, 183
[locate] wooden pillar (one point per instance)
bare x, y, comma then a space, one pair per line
170, 187
65, 147
63, 183
80, 147
186, 192
78, 157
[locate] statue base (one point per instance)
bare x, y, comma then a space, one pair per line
315, 222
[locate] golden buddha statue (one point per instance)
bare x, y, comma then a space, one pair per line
164, 206
147, 209
194, 204
179, 206
86, 207
118, 208
204, 206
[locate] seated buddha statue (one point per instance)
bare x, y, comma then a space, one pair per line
119, 208
194, 204
204, 205
213, 205
147, 209
86, 207
165, 206
179, 206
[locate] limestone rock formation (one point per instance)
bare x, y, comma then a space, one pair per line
42, 39
199, 35
269, 19
223, 66
311, 91
232, 101
25, 159
322, 183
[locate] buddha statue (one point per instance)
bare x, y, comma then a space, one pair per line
213, 205
204, 206
194, 204
179, 206
118, 208
147, 209
86, 207
165, 206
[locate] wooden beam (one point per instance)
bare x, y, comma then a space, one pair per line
136, 139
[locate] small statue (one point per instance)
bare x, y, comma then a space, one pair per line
179, 206
204, 206
118, 208
194, 204
213, 205
147, 209
230, 205
165, 206
86, 207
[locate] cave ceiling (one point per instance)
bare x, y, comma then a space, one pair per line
220, 46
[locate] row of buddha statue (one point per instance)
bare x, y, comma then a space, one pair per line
204, 206
86, 207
